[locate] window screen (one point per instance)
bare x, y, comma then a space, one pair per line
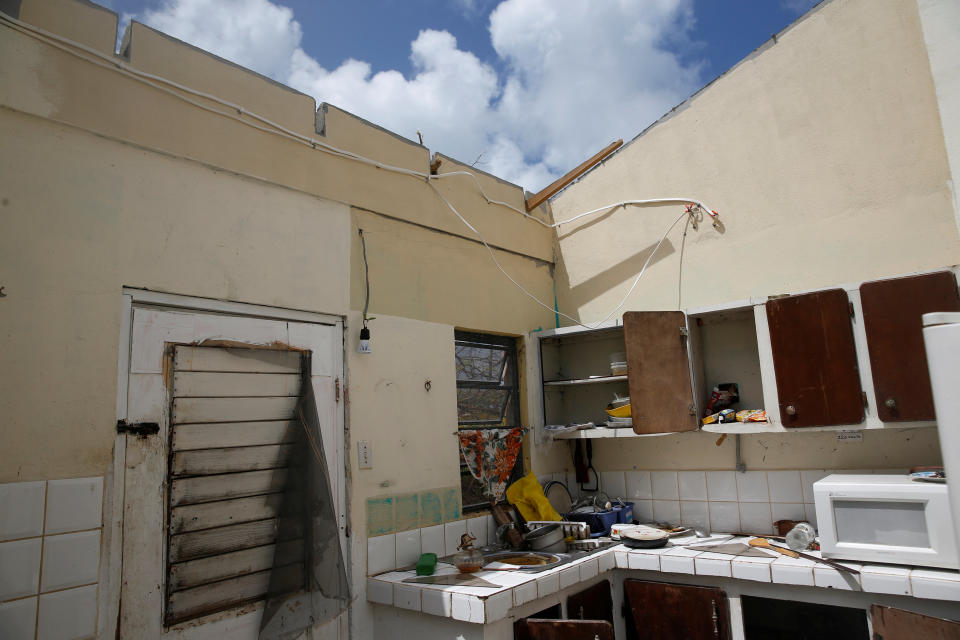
487, 397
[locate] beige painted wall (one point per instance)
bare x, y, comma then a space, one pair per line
825, 157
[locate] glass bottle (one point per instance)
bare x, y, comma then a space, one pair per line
467, 559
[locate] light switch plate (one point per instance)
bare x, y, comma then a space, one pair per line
363, 455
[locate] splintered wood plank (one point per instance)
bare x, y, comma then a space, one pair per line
218, 596
892, 311
207, 515
215, 384
198, 410
229, 460
890, 623
815, 360
226, 486
192, 573
233, 434
658, 371
210, 542
236, 360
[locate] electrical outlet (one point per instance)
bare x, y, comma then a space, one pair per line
363, 455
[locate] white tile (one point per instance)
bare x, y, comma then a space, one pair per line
497, 605
935, 584
379, 591
491, 530
886, 579
406, 596
589, 569
675, 561
830, 578
712, 564
792, 571
785, 486
748, 568
646, 561
755, 517
695, 514
606, 561
573, 486
19, 568
810, 514
613, 483
68, 614
21, 509
724, 516
643, 510
666, 511
693, 485
70, 560
807, 478
381, 554
638, 485
524, 593
664, 484
621, 559
466, 608
477, 527
569, 577
722, 486
786, 511
408, 547
548, 584
73, 505
752, 487
436, 602
18, 619
431, 540
452, 532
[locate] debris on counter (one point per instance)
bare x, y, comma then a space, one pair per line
727, 415
751, 415
722, 396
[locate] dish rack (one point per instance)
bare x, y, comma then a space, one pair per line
575, 530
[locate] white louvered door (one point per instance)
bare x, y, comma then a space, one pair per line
203, 497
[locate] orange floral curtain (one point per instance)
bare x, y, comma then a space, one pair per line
490, 455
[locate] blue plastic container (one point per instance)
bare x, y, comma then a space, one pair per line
624, 513
600, 521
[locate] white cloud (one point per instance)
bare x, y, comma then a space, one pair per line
576, 76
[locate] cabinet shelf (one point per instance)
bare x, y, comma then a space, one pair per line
606, 432
576, 381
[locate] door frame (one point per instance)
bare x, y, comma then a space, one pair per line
134, 298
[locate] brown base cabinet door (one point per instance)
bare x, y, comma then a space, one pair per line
593, 603
537, 629
662, 611
890, 623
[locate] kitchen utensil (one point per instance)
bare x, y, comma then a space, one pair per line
459, 579
544, 537
763, 543
645, 538
558, 496
732, 549
501, 517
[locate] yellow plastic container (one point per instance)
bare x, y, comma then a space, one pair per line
620, 412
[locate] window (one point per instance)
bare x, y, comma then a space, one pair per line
488, 397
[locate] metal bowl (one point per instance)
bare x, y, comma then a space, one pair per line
525, 559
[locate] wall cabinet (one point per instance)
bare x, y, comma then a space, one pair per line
848, 357
663, 610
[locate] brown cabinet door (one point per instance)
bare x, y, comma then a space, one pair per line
898, 624
892, 311
815, 360
661, 610
658, 371
593, 603
535, 629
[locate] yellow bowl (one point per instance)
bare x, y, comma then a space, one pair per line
619, 412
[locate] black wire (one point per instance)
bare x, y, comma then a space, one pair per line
366, 277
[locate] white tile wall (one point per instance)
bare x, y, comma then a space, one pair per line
50, 537
785, 486
694, 514
431, 540
755, 517
752, 487
381, 554
725, 516
21, 509
786, 511
722, 486
664, 485
613, 483
666, 510
693, 485
452, 532
408, 547
436, 602
638, 485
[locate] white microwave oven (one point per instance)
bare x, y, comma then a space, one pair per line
889, 519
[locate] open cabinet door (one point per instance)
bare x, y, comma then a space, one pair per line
890, 623
658, 371
535, 629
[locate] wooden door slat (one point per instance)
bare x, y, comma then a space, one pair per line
241, 360
218, 596
199, 410
223, 487
539, 629
215, 384
233, 434
208, 515
230, 460
658, 371
193, 573
890, 623
892, 311
209, 542
815, 360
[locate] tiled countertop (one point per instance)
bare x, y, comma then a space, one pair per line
484, 605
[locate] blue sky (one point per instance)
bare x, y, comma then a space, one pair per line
525, 88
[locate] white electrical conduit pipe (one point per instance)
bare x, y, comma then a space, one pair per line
157, 82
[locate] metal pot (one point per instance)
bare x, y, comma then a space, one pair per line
546, 536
